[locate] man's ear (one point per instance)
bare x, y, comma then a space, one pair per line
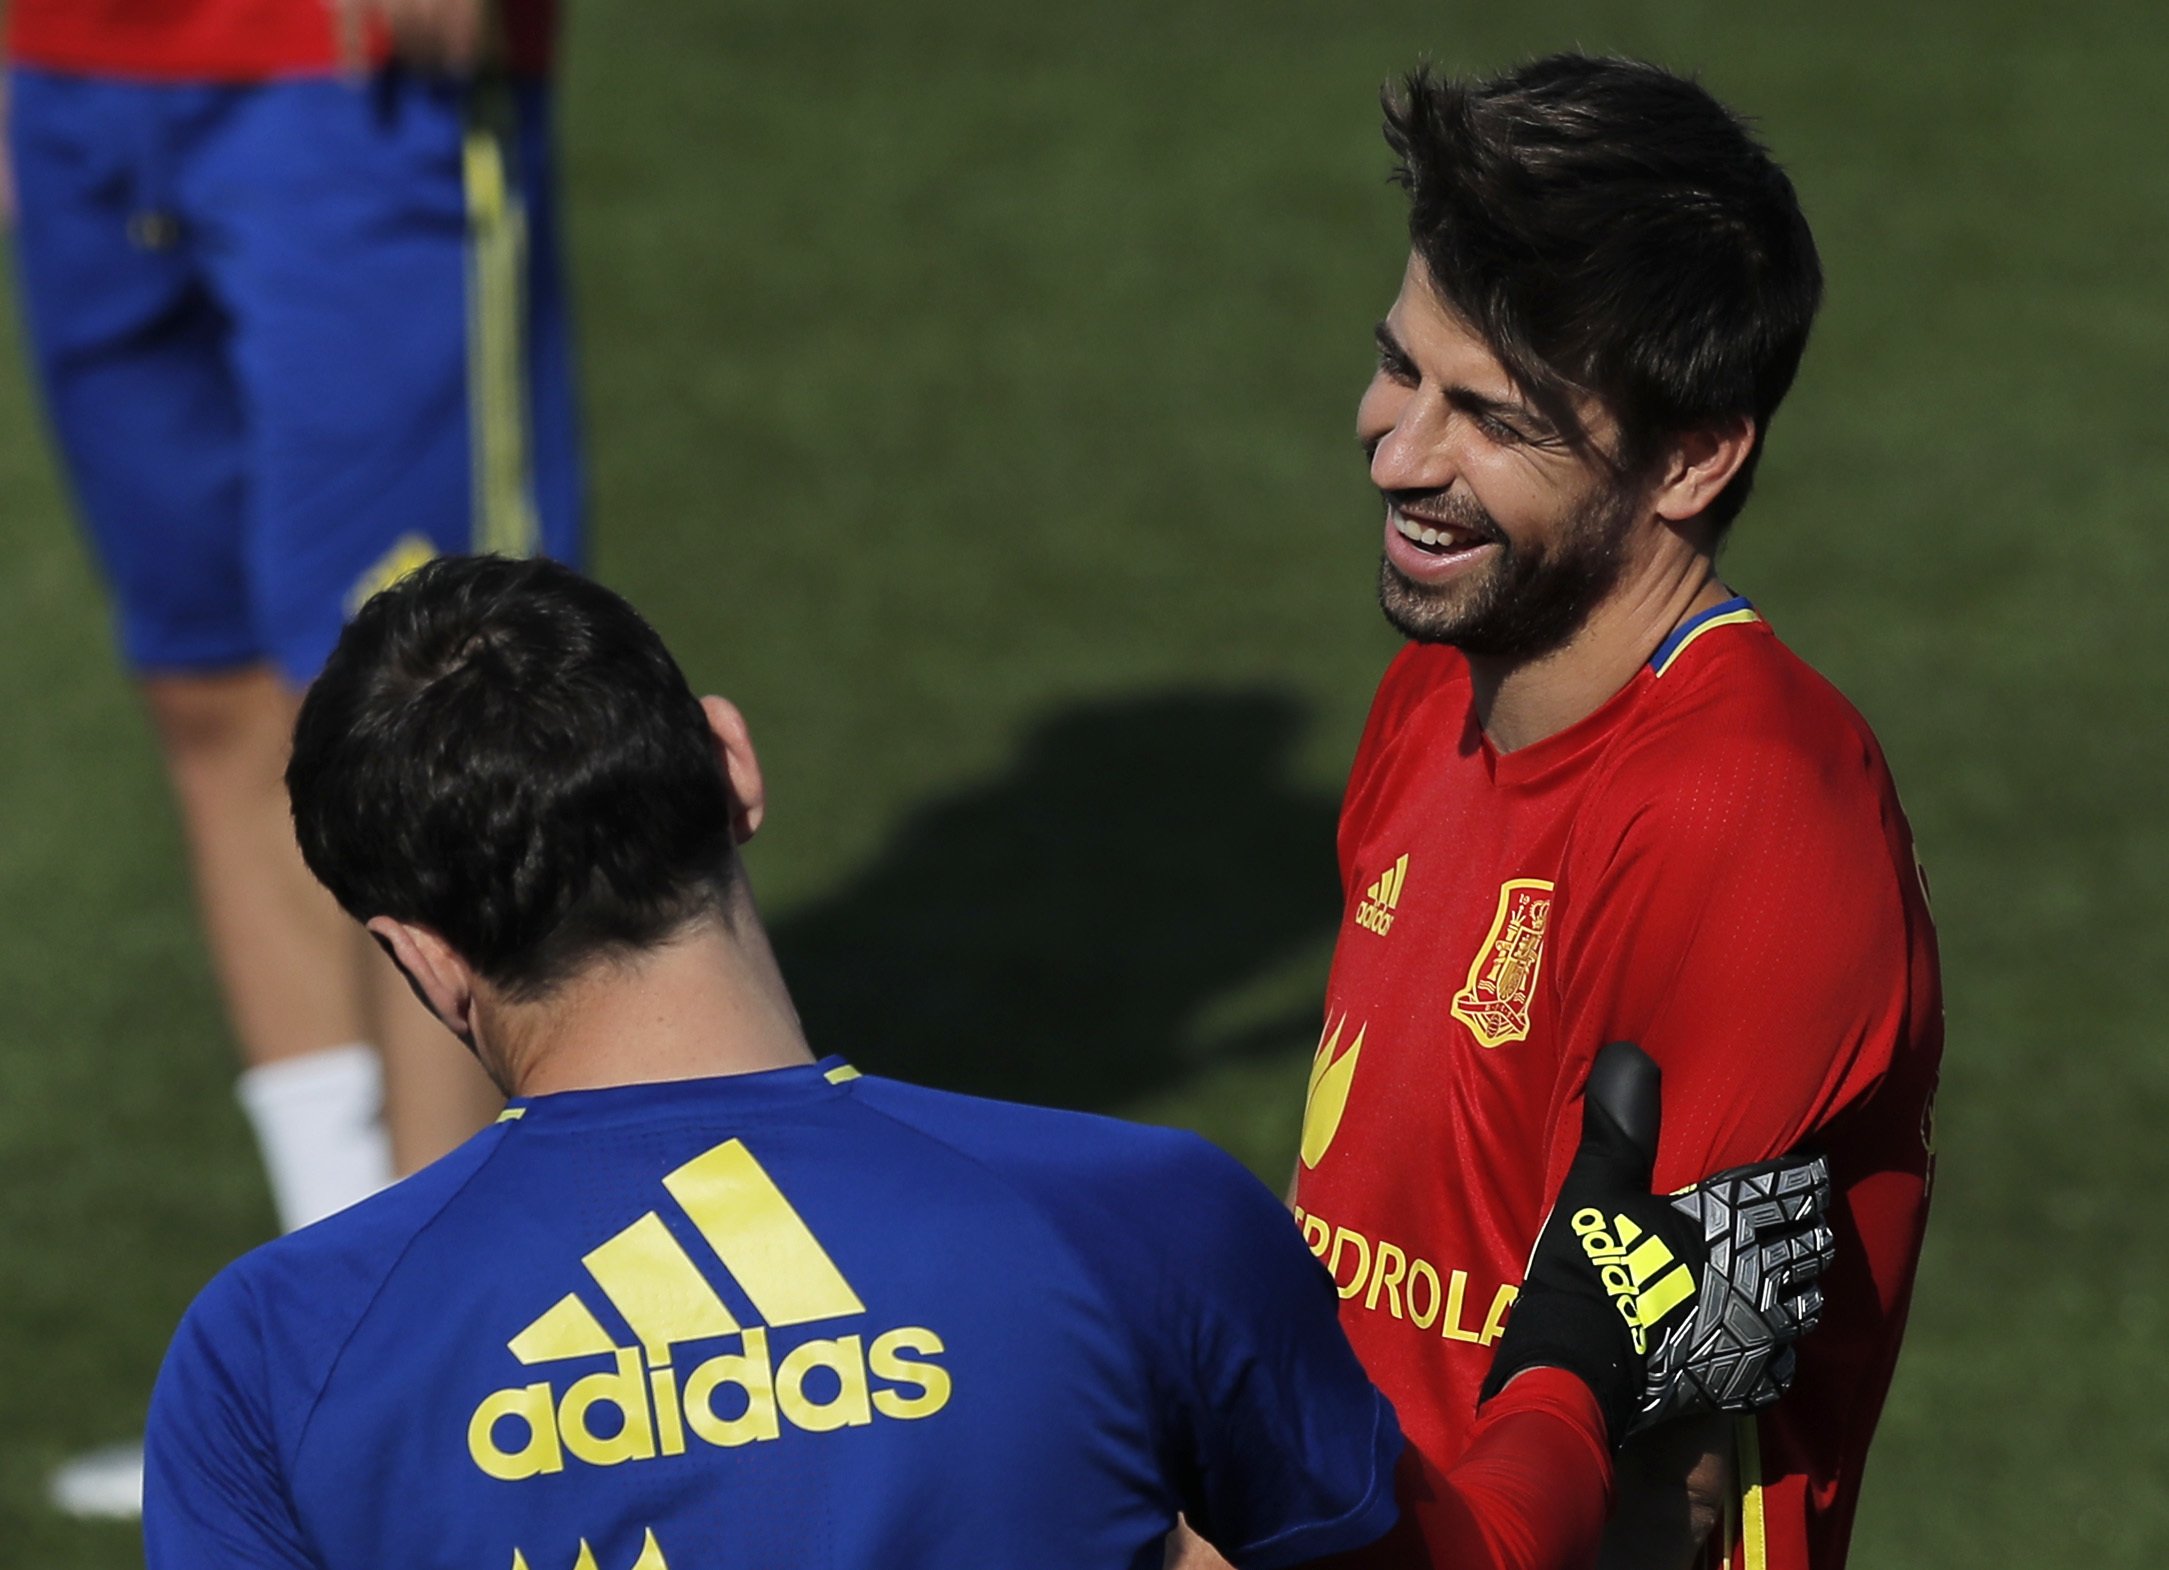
1701, 464
440, 978
734, 749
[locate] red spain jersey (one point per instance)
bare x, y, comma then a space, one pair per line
214, 41
1713, 865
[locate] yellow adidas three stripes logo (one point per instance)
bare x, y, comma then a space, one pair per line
636, 1407
654, 1284
1642, 1276
1375, 914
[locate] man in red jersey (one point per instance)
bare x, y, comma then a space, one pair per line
292, 299
1597, 798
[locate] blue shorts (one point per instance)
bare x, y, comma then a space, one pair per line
293, 339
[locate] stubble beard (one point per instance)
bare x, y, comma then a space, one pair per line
1533, 599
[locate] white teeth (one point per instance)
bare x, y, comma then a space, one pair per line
1409, 529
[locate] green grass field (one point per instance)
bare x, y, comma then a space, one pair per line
970, 390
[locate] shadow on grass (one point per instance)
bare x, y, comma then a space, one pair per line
1053, 935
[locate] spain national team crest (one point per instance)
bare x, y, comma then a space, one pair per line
1502, 978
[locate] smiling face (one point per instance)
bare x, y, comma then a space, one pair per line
1500, 536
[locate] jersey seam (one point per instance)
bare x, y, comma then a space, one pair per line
331, 1368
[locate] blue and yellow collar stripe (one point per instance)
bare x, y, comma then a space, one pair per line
1731, 613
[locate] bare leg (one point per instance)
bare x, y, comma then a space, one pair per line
435, 1094
282, 950
296, 975
288, 967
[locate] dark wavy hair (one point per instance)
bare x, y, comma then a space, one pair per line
505, 753
1611, 229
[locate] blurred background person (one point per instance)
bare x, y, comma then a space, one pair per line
289, 285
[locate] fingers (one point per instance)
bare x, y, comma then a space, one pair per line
1765, 1230
1791, 1267
1783, 1242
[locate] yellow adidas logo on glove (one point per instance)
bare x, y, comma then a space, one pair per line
1641, 1275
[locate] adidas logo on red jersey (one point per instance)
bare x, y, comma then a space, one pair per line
1375, 914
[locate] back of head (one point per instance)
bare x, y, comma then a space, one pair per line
504, 752
1612, 230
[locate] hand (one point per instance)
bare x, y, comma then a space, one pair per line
1767, 1237
1624, 1290
447, 37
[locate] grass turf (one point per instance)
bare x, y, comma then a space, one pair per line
970, 391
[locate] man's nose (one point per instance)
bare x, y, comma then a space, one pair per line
1414, 452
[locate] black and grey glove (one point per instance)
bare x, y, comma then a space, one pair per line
1664, 1306
1766, 1234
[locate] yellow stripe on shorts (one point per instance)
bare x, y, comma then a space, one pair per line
504, 500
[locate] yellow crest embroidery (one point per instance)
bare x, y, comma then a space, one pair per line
1502, 978
1331, 1078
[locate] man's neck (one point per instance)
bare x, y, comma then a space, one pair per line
709, 1002
1521, 702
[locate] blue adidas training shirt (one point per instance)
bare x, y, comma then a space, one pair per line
785, 1319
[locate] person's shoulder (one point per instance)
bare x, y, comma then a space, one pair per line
1754, 675
1422, 700
1125, 1195
1067, 1152
1422, 676
1424, 667
1739, 726
297, 1298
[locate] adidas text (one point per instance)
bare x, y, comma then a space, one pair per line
818, 1387
1610, 1258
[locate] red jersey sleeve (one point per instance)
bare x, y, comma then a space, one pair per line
1530, 1493
229, 41
1745, 911
1741, 898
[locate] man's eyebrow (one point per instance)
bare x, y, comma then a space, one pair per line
1389, 347
1465, 398
1470, 401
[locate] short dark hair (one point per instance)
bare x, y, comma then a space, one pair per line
1610, 228
505, 753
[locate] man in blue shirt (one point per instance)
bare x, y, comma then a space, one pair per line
699, 1299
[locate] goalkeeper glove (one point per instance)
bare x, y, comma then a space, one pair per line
1665, 1306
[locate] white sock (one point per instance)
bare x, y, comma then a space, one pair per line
319, 1120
